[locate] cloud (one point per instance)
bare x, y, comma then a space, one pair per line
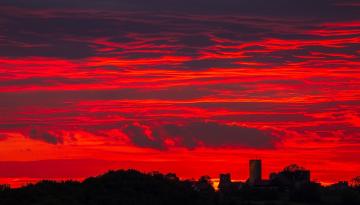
200, 134
45, 137
280, 8
165, 61
75, 33
49, 81
138, 136
213, 134
62, 97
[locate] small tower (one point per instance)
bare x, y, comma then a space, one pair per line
255, 171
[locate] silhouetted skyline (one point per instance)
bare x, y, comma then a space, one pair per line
292, 185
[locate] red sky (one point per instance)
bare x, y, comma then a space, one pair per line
193, 88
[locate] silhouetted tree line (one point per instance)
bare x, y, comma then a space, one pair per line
131, 187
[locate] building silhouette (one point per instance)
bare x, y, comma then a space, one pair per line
255, 172
292, 176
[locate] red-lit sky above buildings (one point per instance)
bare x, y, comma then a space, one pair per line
192, 87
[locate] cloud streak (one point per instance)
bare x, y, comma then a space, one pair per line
200, 134
45, 136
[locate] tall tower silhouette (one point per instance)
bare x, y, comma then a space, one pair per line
255, 171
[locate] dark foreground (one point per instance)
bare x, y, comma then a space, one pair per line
134, 188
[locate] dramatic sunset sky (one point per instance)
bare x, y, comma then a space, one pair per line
195, 87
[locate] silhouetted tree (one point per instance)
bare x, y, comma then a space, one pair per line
355, 182
293, 168
4, 187
204, 184
172, 177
